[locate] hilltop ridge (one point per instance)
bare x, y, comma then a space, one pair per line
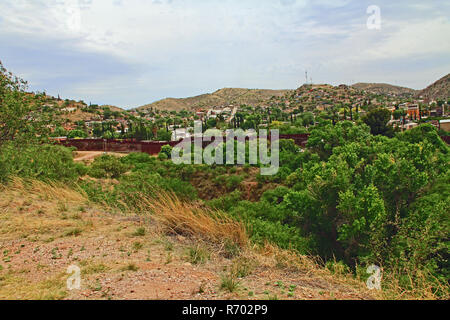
437, 90
384, 88
224, 96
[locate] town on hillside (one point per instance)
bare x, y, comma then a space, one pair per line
292, 113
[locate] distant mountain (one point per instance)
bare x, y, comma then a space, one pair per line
226, 96
384, 88
438, 90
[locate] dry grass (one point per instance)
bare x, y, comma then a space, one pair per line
16, 286
54, 191
42, 218
308, 267
419, 286
190, 219
35, 210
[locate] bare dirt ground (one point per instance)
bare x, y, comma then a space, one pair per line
89, 156
44, 230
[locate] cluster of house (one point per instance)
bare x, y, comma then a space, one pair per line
412, 111
182, 133
320, 95
225, 112
324, 96
212, 113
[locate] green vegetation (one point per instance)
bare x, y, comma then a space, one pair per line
359, 193
44, 162
107, 167
377, 120
140, 232
229, 282
198, 255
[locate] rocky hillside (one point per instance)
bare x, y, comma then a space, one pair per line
72, 111
384, 88
224, 96
438, 90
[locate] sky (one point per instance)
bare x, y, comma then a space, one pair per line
133, 52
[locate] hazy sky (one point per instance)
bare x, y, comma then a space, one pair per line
132, 52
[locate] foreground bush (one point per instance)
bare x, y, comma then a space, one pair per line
107, 166
44, 162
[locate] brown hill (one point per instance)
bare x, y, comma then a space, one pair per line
226, 96
384, 88
438, 90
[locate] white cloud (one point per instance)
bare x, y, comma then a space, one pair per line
173, 47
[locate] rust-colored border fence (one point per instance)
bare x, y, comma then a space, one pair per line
154, 147
446, 139
150, 147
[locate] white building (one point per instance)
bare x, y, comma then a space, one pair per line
181, 133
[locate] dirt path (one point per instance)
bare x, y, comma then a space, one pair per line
89, 156
131, 258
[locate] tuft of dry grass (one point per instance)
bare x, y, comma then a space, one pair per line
51, 190
191, 219
17, 287
309, 268
419, 286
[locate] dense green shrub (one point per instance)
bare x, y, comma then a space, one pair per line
140, 184
275, 196
323, 139
226, 202
422, 241
97, 193
267, 222
283, 235
162, 156
230, 182
369, 194
167, 150
76, 134
164, 135
359, 198
107, 166
43, 162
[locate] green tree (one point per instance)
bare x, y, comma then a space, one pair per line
398, 114
59, 132
163, 135
323, 139
369, 200
76, 134
377, 120
21, 116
